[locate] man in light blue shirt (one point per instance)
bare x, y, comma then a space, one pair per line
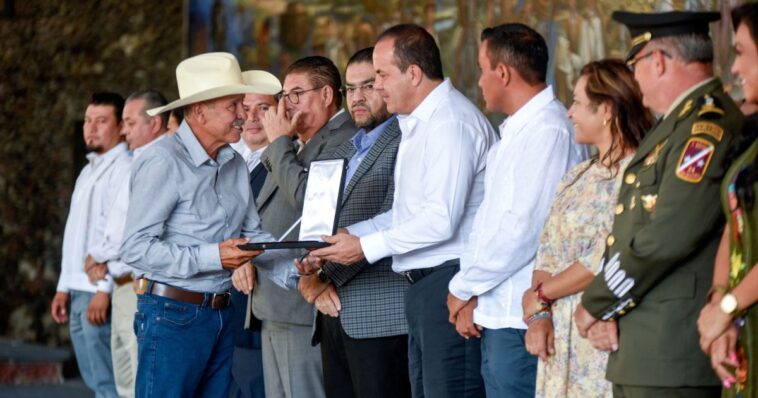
190, 206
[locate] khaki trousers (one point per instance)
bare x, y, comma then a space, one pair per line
123, 339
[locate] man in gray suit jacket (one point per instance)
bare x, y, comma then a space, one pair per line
364, 345
308, 123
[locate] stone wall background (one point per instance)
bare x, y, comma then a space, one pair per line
53, 54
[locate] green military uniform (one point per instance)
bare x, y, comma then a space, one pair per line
658, 263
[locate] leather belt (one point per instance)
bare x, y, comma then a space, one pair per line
213, 300
415, 275
123, 279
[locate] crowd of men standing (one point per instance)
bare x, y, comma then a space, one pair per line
429, 288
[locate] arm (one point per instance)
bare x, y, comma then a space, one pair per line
154, 195
494, 254
286, 169
630, 270
372, 225
453, 158
340, 275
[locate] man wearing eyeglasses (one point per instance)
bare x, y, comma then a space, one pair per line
361, 322
307, 123
658, 262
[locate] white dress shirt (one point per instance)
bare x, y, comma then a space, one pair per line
252, 158
523, 171
439, 184
94, 194
107, 250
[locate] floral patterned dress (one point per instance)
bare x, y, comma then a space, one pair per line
743, 253
580, 219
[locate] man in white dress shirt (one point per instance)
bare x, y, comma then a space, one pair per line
141, 131
439, 184
94, 193
523, 170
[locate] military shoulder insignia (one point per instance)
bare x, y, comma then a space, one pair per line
710, 108
685, 109
694, 160
710, 128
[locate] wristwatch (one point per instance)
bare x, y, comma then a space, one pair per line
729, 304
322, 276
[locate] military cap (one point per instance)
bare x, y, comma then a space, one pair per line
647, 26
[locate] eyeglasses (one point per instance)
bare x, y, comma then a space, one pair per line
366, 89
294, 96
632, 62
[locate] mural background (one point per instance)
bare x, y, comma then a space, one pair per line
270, 34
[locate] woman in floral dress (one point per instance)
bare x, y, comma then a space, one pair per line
607, 113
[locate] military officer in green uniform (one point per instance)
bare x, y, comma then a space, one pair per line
657, 267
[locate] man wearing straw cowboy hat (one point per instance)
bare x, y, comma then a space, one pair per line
190, 207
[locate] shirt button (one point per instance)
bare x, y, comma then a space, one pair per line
611, 240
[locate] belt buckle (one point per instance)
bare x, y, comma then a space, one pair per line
141, 286
226, 297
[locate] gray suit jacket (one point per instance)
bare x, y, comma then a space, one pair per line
372, 296
280, 204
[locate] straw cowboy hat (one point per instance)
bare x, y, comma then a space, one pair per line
214, 75
263, 80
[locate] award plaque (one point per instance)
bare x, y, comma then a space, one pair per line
321, 205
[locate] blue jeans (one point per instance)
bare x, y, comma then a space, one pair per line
185, 349
507, 368
92, 346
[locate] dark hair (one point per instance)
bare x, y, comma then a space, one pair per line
413, 45
321, 71
152, 99
178, 114
747, 14
611, 82
364, 55
111, 99
747, 178
519, 47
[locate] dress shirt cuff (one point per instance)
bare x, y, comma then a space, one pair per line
458, 288
98, 255
375, 247
62, 288
105, 285
361, 229
209, 257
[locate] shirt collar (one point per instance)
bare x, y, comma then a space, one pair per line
685, 94
364, 139
96, 159
196, 151
526, 113
141, 149
426, 108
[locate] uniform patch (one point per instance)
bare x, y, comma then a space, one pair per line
710, 107
694, 160
710, 128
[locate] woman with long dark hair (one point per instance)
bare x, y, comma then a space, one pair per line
728, 323
607, 112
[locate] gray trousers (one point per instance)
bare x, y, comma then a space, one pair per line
291, 366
